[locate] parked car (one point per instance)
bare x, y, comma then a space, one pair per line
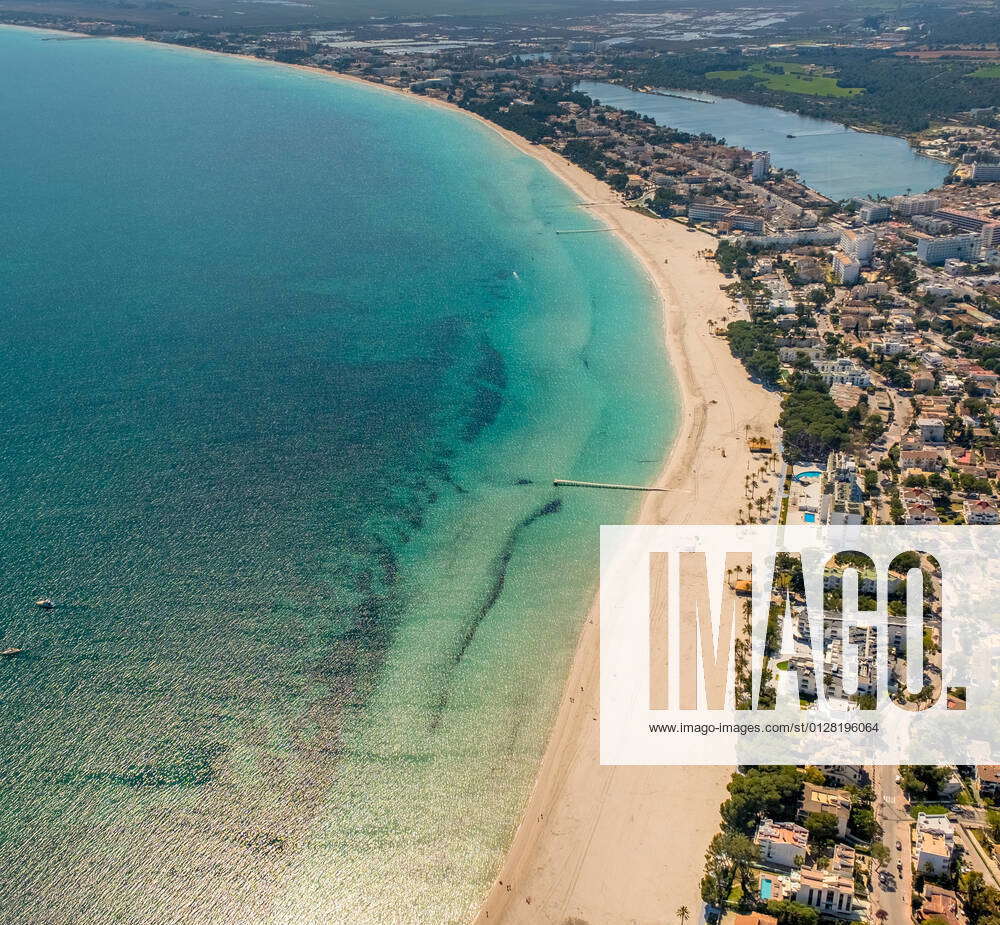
899, 845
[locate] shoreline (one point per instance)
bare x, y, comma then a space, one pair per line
594, 842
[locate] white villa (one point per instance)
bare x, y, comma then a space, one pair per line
781, 842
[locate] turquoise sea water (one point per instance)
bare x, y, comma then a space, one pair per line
287, 368
838, 161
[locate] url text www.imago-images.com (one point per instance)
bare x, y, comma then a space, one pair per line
783, 645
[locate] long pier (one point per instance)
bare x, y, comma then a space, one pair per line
574, 483
584, 230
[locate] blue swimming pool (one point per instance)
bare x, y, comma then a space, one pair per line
809, 518
765, 887
811, 474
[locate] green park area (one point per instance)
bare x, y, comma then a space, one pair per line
788, 78
987, 71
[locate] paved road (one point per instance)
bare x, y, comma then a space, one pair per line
890, 810
975, 857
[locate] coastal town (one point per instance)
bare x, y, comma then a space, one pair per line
873, 321
855, 844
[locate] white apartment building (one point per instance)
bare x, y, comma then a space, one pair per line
937, 250
781, 842
981, 511
831, 891
845, 268
843, 370
935, 843
858, 244
907, 206
872, 212
760, 165
931, 429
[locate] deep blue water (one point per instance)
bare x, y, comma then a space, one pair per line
837, 161
287, 368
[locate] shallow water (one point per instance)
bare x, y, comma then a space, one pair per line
288, 367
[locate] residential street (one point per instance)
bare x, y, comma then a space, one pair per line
896, 824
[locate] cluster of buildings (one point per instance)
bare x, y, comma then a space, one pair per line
940, 231
791, 871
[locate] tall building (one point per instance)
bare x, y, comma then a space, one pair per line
760, 165
989, 237
938, 250
906, 206
985, 173
845, 268
966, 221
858, 244
872, 212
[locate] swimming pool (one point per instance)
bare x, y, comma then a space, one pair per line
765, 887
811, 474
809, 518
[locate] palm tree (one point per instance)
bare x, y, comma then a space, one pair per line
683, 913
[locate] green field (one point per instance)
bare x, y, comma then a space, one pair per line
793, 79
987, 70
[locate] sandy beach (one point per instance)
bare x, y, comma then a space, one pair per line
615, 845
626, 845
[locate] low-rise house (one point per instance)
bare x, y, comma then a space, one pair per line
754, 918
942, 904
926, 460
981, 511
819, 799
919, 514
989, 779
781, 842
935, 843
933, 854
983, 380
831, 891
844, 774
923, 380
807, 269
931, 429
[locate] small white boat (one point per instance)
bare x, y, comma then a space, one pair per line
10, 652
45, 604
